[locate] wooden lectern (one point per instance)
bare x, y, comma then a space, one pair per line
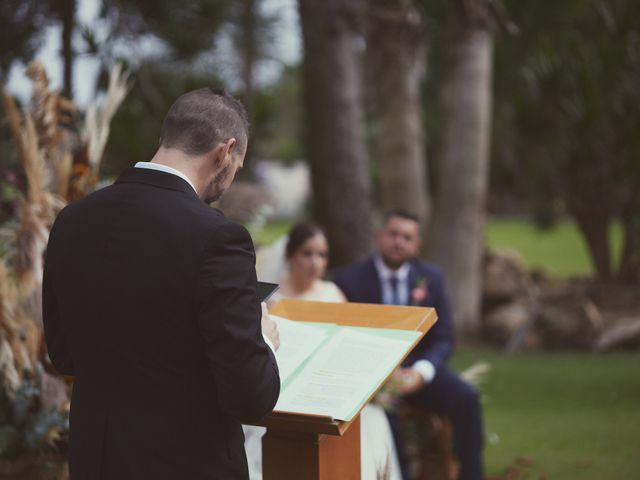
313, 447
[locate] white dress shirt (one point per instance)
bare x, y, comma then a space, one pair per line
164, 168
385, 273
424, 367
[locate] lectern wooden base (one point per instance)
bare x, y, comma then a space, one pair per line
301, 446
291, 455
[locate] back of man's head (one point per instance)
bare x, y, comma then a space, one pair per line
201, 119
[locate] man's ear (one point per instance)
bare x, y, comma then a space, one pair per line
223, 150
228, 147
232, 145
418, 241
418, 245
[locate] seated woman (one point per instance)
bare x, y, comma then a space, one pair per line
307, 253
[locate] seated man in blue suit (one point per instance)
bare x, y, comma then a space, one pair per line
395, 276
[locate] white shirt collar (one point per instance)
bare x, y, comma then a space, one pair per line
385, 272
164, 168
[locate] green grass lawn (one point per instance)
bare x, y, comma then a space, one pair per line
270, 232
577, 416
560, 251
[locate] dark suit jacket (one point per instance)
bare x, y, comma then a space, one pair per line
360, 283
149, 299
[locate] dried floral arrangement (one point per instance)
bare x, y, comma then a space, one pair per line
61, 163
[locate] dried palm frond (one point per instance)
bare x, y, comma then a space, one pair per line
35, 212
23, 337
30, 156
86, 161
21, 358
51, 113
79, 175
20, 332
63, 173
97, 123
42, 103
50, 109
30, 240
50, 207
34, 165
14, 122
8, 294
25, 343
8, 301
9, 378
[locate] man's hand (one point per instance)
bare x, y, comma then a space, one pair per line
409, 380
269, 327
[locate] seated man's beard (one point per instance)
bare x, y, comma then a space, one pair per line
215, 190
392, 264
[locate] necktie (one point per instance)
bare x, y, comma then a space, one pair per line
395, 294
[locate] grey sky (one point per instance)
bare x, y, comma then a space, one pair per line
286, 50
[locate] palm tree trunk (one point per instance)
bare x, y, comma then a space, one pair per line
67, 9
248, 51
335, 124
397, 54
595, 230
460, 214
629, 266
629, 269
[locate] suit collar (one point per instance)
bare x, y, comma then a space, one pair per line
165, 168
156, 178
375, 285
385, 272
415, 276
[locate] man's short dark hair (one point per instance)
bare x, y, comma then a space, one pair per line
201, 119
402, 213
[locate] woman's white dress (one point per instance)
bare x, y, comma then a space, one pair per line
377, 449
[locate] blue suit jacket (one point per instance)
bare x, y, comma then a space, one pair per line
360, 283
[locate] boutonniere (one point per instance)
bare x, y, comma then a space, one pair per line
419, 291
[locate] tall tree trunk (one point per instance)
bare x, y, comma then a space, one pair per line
629, 268
248, 50
67, 10
595, 230
397, 54
592, 211
460, 210
335, 124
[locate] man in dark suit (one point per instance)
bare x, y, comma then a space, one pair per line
395, 276
149, 300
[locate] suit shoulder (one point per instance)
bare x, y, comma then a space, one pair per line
223, 230
234, 230
351, 271
80, 206
433, 269
430, 270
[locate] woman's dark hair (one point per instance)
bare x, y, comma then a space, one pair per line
300, 233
